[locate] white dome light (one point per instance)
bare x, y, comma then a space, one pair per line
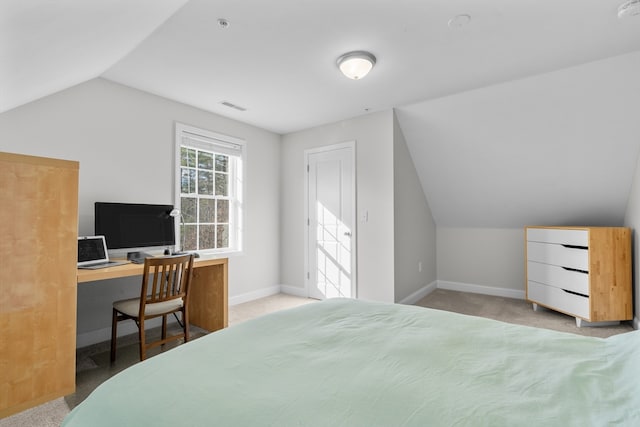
629, 8
356, 65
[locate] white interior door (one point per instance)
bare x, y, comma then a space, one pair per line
331, 222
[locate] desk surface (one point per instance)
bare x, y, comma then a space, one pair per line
208, 294
132, 270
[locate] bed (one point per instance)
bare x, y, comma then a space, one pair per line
345, 362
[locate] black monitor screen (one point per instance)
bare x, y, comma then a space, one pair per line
132, 225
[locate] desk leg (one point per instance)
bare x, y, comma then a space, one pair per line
209, 297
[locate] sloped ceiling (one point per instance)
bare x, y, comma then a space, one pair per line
47, 46
554, 149
454, 86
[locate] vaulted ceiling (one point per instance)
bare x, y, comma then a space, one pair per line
525, 114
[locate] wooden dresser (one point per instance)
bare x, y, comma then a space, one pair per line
584, 272
38, 251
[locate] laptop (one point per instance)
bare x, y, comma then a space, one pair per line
92, 253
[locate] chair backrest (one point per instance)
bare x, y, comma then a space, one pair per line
166, 278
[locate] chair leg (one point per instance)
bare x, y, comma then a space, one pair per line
143, 344
164, 327
114, 334
185, 320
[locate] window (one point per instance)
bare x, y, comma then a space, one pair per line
208, 191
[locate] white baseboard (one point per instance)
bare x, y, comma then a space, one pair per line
124, 328
480, 289
294, 290
250, 296
265, 292
420, 293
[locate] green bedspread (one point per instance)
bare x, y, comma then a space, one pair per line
352, 363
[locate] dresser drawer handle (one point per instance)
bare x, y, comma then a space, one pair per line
577, 270
576, 293
576, 247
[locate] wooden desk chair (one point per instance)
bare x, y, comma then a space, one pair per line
165, 290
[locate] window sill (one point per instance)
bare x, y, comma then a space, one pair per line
214, 255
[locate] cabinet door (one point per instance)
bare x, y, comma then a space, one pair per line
562, 256
571, 237
38, 225
559, 299
558, 277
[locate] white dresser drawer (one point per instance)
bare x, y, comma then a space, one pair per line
558, 277
559, 255
559, 236
558, 299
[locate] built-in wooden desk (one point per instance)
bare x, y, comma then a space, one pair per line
208, 298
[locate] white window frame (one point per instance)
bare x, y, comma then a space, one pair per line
222, 144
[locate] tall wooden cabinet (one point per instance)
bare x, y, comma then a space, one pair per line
581, 271
38, 238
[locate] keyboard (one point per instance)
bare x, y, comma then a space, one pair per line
103, 265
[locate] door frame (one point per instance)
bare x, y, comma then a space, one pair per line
307, 227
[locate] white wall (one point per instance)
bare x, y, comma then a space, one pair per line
632, 220
414, 228
551, 149
484, 260
124, 140
373, 134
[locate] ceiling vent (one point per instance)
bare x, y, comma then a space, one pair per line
234, 106
629, 8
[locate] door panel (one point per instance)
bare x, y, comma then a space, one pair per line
331, 234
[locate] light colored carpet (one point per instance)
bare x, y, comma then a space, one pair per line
94, 367
49, 414
514, 311
249, 310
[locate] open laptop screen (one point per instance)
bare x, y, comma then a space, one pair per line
92, 250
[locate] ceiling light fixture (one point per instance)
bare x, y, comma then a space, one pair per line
629, 8
357, 64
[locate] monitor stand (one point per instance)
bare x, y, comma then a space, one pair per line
137, 257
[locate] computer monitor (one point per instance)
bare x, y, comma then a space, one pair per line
134, 225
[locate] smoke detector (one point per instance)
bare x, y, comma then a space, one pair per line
459, 21
629, 8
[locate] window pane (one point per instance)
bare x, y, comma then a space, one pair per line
189, 235
187, 157
188, 209
205, 160
222, 163
207, 210
205, 183
222, 187
208, 193
222, 240
207, 236
223, 211
187, 181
